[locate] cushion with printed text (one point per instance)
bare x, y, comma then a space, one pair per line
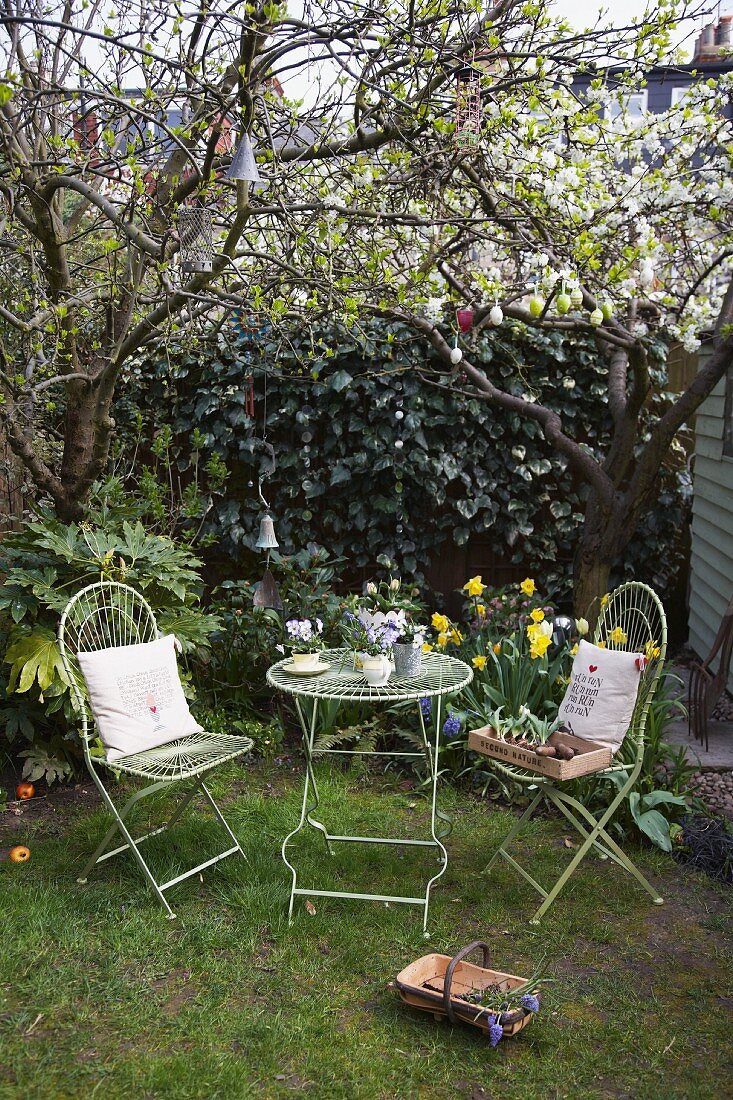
600, 698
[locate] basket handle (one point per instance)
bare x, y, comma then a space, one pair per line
451, 968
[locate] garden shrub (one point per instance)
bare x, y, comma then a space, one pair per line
333, 400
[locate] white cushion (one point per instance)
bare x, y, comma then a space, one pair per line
136, 696
600, 698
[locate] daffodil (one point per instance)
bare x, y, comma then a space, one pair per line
474, 586
652, 651
601, 645
533, 630
440, 622
574, 650
537, 615
427, 648
528, 586
479, 662
443, 639
480, 609
539, 646
618, 636
496, 647
455, 636
605, 599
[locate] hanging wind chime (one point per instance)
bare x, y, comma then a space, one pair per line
266, 593
467, 132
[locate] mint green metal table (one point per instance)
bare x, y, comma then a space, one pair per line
440, 676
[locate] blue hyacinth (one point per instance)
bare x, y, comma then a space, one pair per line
451, 726
496, 1031
426, 707
530, 1002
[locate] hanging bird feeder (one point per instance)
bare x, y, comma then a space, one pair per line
468, 107
195, 229
464, 317
244, 165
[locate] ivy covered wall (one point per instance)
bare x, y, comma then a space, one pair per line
384, 468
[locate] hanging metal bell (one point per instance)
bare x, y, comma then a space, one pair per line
267, 540
244, 165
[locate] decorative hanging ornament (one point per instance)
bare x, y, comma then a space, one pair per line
596, 317
468, 107
465, 319
244, 165
607, 310
455, 356
563, 301
496, 314
536, 305
249, 397
576, 297
195, 230
266, 539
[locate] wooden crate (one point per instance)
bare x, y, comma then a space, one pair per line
422, 985
589, 757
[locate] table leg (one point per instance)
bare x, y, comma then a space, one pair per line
308, 806
433, 753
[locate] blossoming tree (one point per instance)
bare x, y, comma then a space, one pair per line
113, 123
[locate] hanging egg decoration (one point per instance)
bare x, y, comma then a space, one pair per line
455, 356
496, 314
576, 297
596, 317
607, 310
536, 305
464, 317
563, 302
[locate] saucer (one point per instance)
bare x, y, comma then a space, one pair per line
291, 670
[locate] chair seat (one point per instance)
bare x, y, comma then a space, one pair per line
192, 755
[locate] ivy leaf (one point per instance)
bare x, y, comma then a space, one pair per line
340, 380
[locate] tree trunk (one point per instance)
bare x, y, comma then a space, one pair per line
603, 530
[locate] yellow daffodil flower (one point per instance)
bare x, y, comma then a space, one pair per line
496, 647
440, 623
427, 648
605, 599
455, 636
537, 615
528, 586
618, 636
474, 586
480, 609
533, 629
601, 645
479, 662
574, 650
443, 639
652, 651
539, 646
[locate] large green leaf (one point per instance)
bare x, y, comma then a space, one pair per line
35, 658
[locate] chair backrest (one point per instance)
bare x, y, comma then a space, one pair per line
635, 612
101, 616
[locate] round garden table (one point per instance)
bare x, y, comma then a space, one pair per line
440, 676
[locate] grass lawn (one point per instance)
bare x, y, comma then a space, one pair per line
101, 996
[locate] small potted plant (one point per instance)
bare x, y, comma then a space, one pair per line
408, 650
371, 644
304, 638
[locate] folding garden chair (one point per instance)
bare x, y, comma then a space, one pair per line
109, 614
637, 610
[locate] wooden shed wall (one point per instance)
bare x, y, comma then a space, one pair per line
711, 566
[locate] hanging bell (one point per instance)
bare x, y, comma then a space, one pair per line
266, 539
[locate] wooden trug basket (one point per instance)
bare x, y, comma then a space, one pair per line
589, 756
434, 983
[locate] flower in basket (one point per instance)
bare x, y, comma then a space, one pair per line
496, 1031
304, 635
375, 640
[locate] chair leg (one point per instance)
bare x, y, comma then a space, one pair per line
616, 851
207, 794
514, 832
591, 838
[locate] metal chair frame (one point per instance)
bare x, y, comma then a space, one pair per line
108, 614
706, 686
638, 611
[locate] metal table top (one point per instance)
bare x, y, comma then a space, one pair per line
440, 675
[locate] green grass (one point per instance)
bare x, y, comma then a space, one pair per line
101, 996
